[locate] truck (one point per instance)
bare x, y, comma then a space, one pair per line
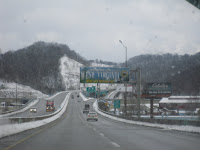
50, 105
86, 108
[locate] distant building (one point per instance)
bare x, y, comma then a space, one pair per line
3, 104
190, 103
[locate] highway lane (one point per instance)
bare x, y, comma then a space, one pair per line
73, 132
41, 109
144, 138
41, 106
70, 132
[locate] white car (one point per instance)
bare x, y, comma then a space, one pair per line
92, 116
33, 110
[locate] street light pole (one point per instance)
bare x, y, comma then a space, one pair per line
125, 95
126, 52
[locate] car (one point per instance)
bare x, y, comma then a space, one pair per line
85, 110
92, 116
33, 110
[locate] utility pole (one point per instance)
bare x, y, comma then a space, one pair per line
16, 96
139, 90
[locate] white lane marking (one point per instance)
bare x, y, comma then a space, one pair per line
101, 134
94, 129
115, 144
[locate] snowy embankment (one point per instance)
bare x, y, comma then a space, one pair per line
9, 89
10, 129
70, 71
168, 127
85, 98
53, 96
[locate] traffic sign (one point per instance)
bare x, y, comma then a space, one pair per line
116, 103
91, 89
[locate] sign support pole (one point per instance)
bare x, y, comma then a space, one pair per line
125, 99
151, 107
97, 95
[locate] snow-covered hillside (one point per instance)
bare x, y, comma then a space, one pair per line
8, 90
70, 71
95, 64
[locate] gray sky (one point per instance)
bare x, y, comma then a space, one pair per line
93, 28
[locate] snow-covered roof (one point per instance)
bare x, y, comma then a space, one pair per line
179, 100
184, 97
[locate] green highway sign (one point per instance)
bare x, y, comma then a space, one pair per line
116, 103
91, 89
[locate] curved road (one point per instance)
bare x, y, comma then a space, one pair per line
73, 132
41, 108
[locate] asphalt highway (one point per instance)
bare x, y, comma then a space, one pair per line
72, 131
41, 109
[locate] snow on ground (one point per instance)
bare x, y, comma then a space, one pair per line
70, 71
8, 90
85, 98
53, 96
10, 129
168, 127
95, 64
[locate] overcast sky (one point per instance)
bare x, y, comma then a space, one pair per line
93, 28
